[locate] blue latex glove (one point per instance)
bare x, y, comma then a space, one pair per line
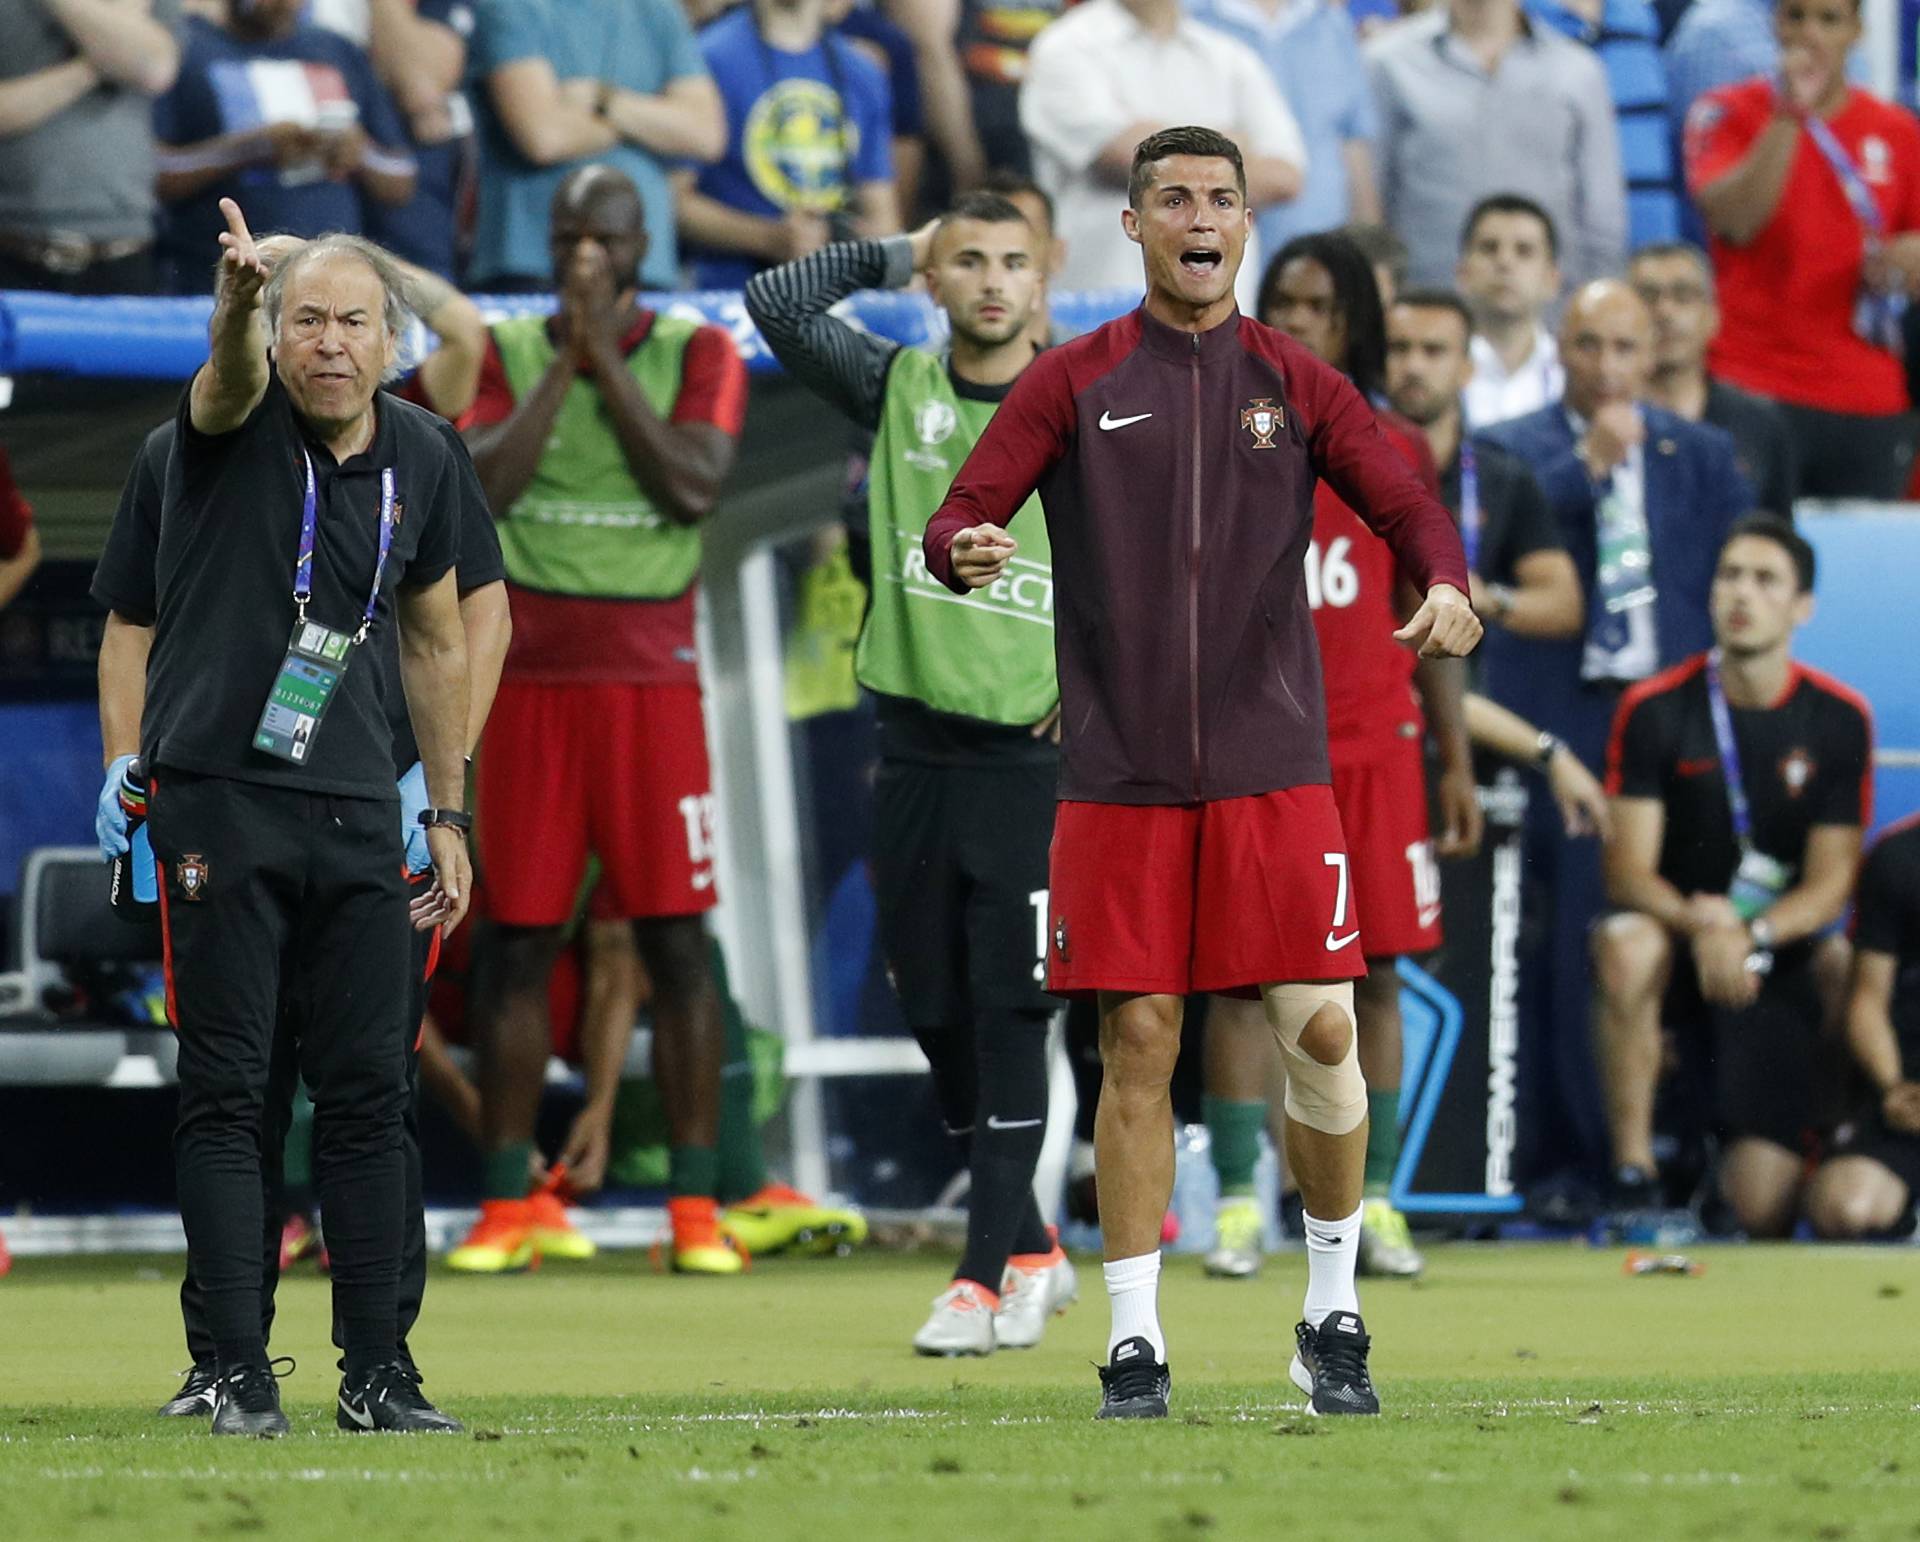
109, 818
413, 798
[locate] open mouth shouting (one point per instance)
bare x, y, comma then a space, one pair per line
1201, 261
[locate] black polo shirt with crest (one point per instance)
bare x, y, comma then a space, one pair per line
229, 539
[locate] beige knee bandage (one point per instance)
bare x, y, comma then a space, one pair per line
1328, 1098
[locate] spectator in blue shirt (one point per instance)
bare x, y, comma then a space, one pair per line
1624, 36
282, 116
561, 82
887, 44
809, 154
1310, 48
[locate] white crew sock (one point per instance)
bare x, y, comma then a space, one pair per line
1333, 1247
1133, 1288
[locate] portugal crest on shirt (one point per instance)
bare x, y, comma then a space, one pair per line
1263, 420
1796, 770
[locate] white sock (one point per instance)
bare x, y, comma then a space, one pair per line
1133, 1288
1333, 1247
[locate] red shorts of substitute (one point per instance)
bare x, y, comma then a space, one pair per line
617, 770
1380, 788
1226, 896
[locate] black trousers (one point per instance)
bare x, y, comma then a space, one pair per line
273, 1141
1843, 455
273, 897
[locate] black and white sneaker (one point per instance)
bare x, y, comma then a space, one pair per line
1330, 1366
1134, 1385
194, 1400
246, 1401
389, 1398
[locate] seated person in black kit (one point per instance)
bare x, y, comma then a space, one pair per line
1869, 1186
1740, 785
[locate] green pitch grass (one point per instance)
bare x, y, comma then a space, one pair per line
1530, 1393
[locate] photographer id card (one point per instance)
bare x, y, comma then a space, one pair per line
316, 662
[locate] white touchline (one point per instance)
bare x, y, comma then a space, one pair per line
1109, 421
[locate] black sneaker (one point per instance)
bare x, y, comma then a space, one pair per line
1134, 1385
1330, 1366
246, 1401
194, 1400
389, 1398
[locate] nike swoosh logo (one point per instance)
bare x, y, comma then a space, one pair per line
995, 1122
1334, 945
360, 1416
1109, 421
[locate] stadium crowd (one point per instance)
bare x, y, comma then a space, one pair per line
1631, 279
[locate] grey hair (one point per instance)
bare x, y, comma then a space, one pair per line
394, 309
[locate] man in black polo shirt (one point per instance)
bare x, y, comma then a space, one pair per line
1740, 782
125, 583
1676, 282
1523, 579
303, 512
1869, 1185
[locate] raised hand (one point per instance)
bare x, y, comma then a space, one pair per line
243, 271
1443, 627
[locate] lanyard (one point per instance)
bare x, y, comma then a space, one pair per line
1469, 497
1877, 314
1729, 754
310, 528
1865, 209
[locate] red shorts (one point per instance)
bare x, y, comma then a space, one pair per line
1226, 896
618, 770
1380, 786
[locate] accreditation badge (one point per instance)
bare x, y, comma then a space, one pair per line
315, 664
1757, 883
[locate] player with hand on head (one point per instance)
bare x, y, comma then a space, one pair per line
967, 708
1196, 845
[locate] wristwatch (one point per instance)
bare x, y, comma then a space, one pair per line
447, 819
1760, 932
1546, 747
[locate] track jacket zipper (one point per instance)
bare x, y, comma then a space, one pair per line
1193, 581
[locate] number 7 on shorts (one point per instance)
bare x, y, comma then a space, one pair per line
1337, 860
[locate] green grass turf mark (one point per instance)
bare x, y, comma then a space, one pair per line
1530, 1392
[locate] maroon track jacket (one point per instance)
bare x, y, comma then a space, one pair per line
1177, 470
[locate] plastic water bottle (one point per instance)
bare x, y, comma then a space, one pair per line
135, 892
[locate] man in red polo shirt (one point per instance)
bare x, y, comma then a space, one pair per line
602, 436
1811, 189
1197, 847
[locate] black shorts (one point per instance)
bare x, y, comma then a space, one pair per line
1772, 1074
1868, 1136
960, 874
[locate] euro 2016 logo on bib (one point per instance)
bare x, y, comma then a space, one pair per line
934, 421
1263, 420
